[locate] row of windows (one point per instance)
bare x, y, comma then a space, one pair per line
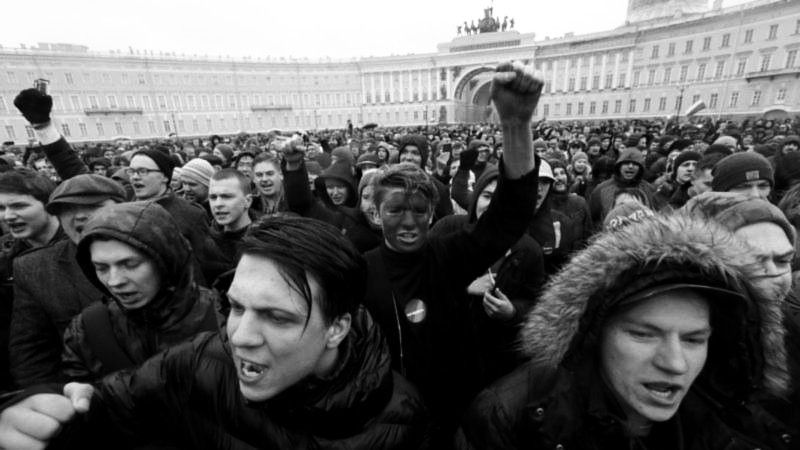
725, 41
157, 79
647, 104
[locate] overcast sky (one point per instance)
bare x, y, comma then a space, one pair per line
300, 28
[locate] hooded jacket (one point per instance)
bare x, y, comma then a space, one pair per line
191, 394
342, 171
601, 199
180, 309
559, 399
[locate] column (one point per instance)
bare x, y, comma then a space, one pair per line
590, 75
383, 88
373, 98
603, 71
402, 88
448, 83
391, 87
554, 77
430, 90
419, 85
363, 86
629, 76
616, 70
565, 84
410, 86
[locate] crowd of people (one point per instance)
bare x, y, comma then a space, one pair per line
608, 285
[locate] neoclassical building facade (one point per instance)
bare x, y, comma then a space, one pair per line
740, 60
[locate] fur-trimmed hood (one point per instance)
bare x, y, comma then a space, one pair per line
563, 329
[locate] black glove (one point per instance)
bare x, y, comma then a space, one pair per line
466, 160
34, 105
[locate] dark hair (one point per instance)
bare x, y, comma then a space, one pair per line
25, 181
227, 174
303, 247
408, 177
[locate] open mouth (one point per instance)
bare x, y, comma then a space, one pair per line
250, 371
407, 238
663, 392
137, 186
17, 227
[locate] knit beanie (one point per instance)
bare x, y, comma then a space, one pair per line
755, 211
739, 168
633, 140
728, 141
163, 161
718, 148
198, 170
539, 145
580, 155
688, 155
626, 214
226, 150
343, 154
417, 140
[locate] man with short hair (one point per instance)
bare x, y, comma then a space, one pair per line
23, 198
42, 311
229, 198
300, 365
749, 174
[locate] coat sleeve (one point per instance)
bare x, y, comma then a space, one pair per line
467, 254
64, 159
78, 362
34, 344
459, 189
486, 426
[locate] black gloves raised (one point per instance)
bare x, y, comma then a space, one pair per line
34, 105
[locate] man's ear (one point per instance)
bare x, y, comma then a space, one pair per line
338, 330
248, 199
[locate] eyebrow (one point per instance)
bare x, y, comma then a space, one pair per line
651, 327
263, 309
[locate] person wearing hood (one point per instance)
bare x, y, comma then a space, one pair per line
628, 172
782, 165
134, 254
580, 173
500, 297
414, 149
298, 364
42, 311
652, 337
340, 184
484, 152
676, 193
573, 206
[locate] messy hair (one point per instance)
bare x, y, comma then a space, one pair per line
408, 177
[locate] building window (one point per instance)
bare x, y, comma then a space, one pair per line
646, 106
671, 49
151, 126
797, 27
605, 107
583, 83
100, 131
93, 102
196, 124
684, 72
125, 78
726, 40
706, 43
780, 97
167, 128
68, 77
82, 128
580, 108
713, 100
756, 98
118, 127
765, 60
667, 75
621, 83
10, 132
210, 124
131, 101
632, 106
791, 58
617, 106
654, 54
571, 85
651, 77
569, 109
636, 75
76, 102
29, 132
734, 99
146, 102
546, 110
748, 36
701, 72
718, 71
592, 107
141, 78
112, 101
596, 82
609, 80
688, 48
695, 98
557, 109
741, 67
773, 32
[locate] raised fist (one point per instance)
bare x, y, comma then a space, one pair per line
34, 105
515, 92
293, 150
467, 159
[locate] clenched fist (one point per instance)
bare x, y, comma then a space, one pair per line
34, 105
515, 92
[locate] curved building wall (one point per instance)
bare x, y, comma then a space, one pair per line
741, 61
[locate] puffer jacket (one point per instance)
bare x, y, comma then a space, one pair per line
189, 396
180, 310
558, 399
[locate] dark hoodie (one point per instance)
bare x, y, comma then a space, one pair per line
602, 198
180, 310
342, 171
445, 206
559, 399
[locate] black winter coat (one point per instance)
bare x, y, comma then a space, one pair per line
189, 396
42, 310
